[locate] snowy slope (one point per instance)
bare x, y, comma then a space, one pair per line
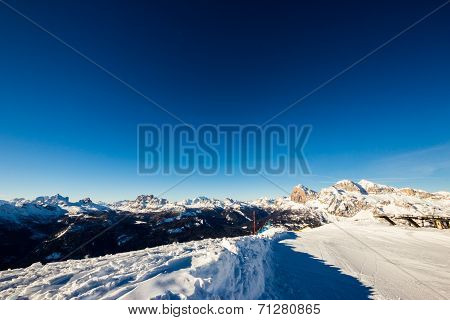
208, 269
351, 258
398, 263
17, 211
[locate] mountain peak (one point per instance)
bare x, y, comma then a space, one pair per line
86, 200
350, 186
372, 187
301, 194
52, 200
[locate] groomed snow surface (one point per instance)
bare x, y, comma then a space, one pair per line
355, 258
394, 262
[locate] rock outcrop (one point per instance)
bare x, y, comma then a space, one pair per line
416, 193
301, 194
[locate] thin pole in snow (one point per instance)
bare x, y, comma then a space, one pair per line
254, 222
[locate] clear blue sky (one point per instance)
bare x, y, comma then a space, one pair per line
68, 127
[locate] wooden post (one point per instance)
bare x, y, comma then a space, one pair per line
412, 222
388, 220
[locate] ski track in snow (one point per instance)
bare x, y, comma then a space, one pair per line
401, 263
320, 263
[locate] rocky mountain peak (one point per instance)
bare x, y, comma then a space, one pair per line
349, 186
57, 199
416, 193
301, 194
86, 201
146, 200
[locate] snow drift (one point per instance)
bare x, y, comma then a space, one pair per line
231, 268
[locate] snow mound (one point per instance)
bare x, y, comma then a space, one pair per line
204, 269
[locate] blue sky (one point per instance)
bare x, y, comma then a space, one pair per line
68, 127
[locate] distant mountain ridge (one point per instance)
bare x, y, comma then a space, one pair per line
347, 198
50, 228
344, 198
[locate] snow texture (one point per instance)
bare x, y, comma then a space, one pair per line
397, 262
231, 268
351, 258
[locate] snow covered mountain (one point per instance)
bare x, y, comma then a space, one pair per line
45, 208
344, 198
50, 228
347, 198
152, 204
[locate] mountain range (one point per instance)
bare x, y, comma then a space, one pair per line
53, 228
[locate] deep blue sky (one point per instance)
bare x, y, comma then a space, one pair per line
68, 127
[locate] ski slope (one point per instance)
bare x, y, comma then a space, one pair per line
396, 262
350, 258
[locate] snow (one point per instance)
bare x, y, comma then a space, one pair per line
63, 203
396, 262
188, 206
53, 256
350, 258
282, 203
122, 239
443, 194
372, 185
305, 189
175, 230
343, 198
354, 256
15, 212
208, 269
46, 207
145, 203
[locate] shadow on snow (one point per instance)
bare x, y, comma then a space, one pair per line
298, 275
